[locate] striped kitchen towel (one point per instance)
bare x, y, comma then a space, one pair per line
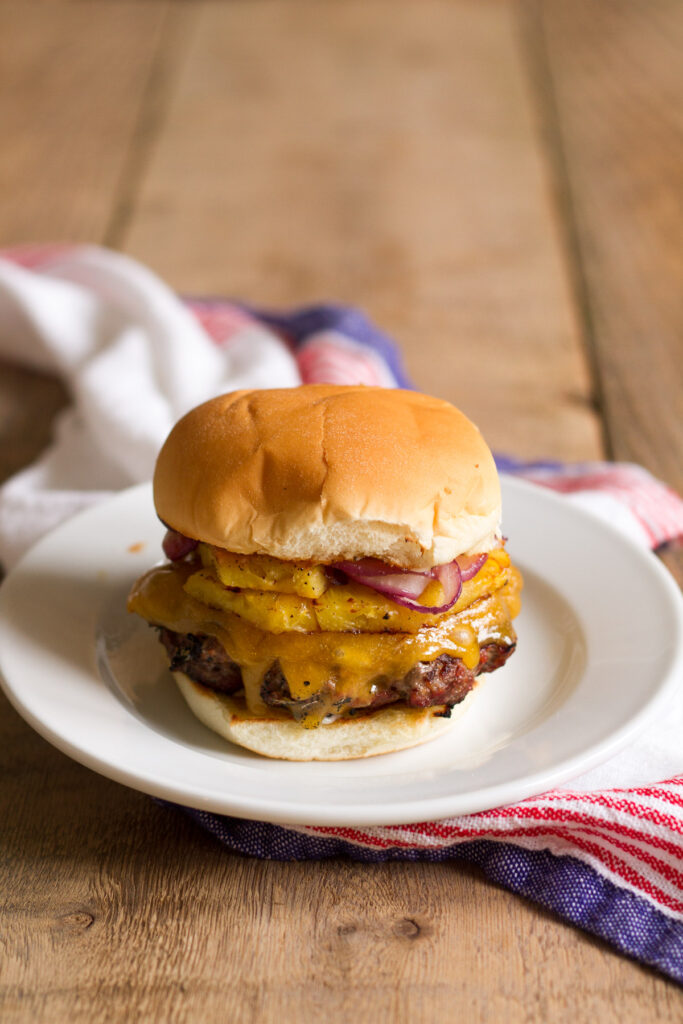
135, 358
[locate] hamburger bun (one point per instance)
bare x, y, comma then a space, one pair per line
279, 736
326, 473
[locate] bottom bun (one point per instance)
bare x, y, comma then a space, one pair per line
278, 735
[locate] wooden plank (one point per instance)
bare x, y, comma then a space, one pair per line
72, 80
617, 78
29, 402
322, 151
612, 77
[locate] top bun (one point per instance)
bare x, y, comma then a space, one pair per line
327, 473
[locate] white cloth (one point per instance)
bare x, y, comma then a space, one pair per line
119, 338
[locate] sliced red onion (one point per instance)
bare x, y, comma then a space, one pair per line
386, 579
470, 565
177, 545
405, 585
450, 578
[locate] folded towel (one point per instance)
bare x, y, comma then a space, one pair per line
606, 852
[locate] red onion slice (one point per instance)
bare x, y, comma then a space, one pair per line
386, 579
176, 545
450, 578
470, 565
404, 586
408, 587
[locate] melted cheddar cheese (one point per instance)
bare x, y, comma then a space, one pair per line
342, 666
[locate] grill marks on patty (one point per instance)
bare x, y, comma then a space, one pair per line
203, 659
445, 681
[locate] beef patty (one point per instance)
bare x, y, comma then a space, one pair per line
445, 681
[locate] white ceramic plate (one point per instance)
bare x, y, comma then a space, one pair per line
600, 642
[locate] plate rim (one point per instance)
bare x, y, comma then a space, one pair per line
276, 810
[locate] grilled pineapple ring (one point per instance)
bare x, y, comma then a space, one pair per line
280, 597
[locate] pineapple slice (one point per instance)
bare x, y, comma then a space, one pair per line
270, 611
355, 607
341, 608
493, 574
260, 572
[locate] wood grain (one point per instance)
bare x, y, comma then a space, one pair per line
309, 153
609, 81
388, 155
29, 403
121, 910
72, 81
617, 77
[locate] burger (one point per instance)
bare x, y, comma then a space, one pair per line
336, 580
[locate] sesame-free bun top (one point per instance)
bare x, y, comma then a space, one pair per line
325, 473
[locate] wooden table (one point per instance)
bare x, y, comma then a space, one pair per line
497, 184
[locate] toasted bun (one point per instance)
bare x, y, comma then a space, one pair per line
278, 735
325, 473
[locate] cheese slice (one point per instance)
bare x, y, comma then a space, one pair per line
343, 668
